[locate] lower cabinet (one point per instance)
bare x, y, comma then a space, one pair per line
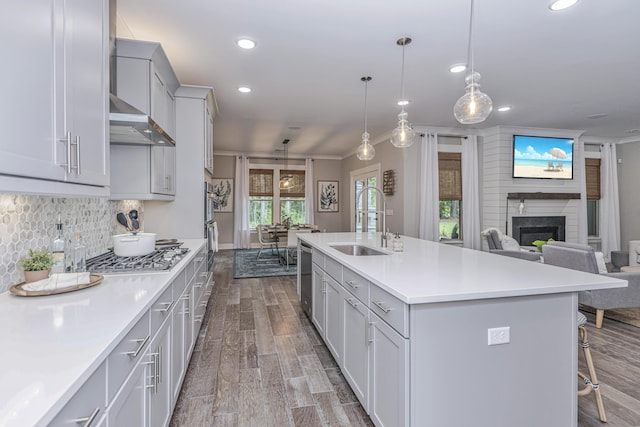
88, 405
318, 301
130, 407
334, 329
356, 348
160, 392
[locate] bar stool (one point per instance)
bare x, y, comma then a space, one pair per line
591, 381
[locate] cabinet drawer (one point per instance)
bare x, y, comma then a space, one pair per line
356, 284
88, 402
317, 257
161, 309
179, 284
390, 309
333, 268
126, 354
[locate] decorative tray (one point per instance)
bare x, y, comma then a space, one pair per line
94, 279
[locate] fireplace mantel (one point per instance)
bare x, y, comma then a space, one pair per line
543, 196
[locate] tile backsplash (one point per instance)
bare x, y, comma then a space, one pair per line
29, 222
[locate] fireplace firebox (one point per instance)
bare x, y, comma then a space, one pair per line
527, 229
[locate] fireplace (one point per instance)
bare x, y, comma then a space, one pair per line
526, 229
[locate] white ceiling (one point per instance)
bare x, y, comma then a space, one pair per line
554, 68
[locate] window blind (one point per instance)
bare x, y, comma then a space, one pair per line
450, 173
592, 172
296, 187
260, 182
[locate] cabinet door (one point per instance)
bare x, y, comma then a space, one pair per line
388, 375
178, 360
208, 144
169, 113
355, 364
87, 405
86, 89
158, 98
170, 169
334, 320
130, 407
160, 394
163, 166
318, 301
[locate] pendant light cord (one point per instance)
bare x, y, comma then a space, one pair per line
402, 78
366, 82
470, 45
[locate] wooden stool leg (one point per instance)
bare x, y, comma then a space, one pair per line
599, 318
591, 382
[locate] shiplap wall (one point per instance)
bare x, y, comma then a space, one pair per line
497, 154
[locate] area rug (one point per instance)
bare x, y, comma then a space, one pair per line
630, 316
246, 265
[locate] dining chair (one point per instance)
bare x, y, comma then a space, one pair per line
266, 240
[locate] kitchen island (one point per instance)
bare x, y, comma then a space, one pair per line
115, 353
443, 336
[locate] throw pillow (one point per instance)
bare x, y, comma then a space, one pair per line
510, 244
602, 265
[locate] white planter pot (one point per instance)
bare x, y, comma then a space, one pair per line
134, 245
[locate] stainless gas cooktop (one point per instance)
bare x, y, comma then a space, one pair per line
161, 259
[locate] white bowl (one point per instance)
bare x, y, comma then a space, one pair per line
134, 244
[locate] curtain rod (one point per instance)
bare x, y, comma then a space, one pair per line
445, 135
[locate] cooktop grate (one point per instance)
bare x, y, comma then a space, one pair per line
158, 260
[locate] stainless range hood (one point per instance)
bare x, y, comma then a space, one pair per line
131, 126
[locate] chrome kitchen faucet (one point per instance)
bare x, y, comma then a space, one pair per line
383, 237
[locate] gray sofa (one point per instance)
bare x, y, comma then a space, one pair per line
495, 247
581, 257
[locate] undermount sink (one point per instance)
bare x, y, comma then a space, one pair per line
357, 250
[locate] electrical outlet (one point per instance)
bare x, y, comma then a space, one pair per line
499, 335
389, 211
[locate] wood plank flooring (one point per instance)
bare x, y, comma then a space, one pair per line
258, 361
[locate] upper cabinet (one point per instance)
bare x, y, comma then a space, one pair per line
55, 104
146, 80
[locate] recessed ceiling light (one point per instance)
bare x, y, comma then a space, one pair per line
457, 68
244, 89
294, 128
597, 116
246, 43
562, 4
403, 102
504, 108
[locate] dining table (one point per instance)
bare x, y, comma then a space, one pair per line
280, 232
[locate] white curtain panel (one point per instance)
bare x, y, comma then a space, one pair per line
609, 203
428, 190
580, 174
470, 194
308, 192
242, 233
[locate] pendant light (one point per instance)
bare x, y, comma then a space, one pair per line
403, 135
474, 106
365, 150
286, 180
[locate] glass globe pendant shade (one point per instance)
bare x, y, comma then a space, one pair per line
474, 106
403, 135
365, 150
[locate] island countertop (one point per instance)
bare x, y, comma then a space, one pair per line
429, 272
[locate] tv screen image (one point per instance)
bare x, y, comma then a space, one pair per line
542, 157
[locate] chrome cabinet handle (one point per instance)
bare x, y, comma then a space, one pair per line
352, 302
87, 421
381, 306
200, 259
353, 284
142, 342
370, 335
67, 142
167, 308
159, 377
77, 144
199, 318
204, 274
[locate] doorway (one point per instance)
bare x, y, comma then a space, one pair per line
363, 216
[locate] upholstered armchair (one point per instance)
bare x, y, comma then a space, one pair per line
582, 257
495, 245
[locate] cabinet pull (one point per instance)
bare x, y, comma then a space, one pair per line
352, 302
324, 286
369, 334
204, 274
77, 144
352, 283
167, 308
87, 421
142, 342
200, 259
381, 306
67, 142
199, 318
159, 376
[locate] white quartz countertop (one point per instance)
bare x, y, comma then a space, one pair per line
428, 272
52, 344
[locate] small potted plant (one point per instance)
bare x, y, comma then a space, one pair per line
36, 265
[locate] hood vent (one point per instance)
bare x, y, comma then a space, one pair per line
131, 126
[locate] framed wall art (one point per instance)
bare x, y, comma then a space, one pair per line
328, 200
222, 194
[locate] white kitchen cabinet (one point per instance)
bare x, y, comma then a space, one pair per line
208, 144
163, 170
55, 105
160, 396
334, 318
355, 366
318, 289
146, 80
130, 406
388, 375
142, 172
88, 405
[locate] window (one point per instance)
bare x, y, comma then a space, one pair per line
592, 173
450, 183
274, 200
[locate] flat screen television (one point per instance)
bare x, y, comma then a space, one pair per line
542, 157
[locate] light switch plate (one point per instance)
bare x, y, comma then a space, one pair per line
497, 336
